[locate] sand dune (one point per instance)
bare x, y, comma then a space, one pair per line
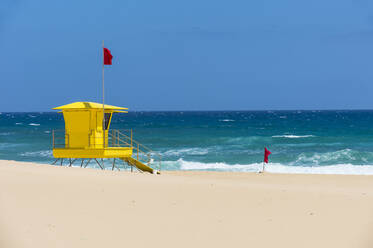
51, 206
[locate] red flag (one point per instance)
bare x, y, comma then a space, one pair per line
266, 154
107, 57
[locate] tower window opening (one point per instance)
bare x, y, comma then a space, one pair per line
107, 120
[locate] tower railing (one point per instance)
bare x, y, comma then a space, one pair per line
124, 138
60, 139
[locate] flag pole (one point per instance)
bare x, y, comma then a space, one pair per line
103, 93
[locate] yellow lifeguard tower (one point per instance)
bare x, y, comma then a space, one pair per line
88, 137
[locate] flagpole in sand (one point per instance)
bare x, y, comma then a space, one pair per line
103, 93
263, 163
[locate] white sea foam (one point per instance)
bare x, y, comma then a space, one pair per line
347, 169
245, 140
291, 136
45, 153
227, 120
5, 134
344, 169
34, 124
19, 123
327, 157
8, 145
186, 151
189, 165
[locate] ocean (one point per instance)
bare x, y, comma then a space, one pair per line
325, 142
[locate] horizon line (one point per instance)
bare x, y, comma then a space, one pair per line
248, 110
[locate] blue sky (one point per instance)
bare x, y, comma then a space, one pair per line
188, 55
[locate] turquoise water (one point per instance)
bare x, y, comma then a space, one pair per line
300, 141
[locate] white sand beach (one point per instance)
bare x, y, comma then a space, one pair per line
52, 206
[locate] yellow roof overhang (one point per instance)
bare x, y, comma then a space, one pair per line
89, 105
116, 111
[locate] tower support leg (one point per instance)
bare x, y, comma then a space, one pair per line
89, 160
113, 164
72, 162
99, 164
55, 161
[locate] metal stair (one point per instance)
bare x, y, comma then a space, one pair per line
146, 160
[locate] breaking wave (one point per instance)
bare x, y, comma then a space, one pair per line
186, 151
346, 169
6, 133
4, 146
44, 154
335, 157
291, 136
227, 120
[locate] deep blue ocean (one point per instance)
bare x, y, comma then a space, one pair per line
336, 142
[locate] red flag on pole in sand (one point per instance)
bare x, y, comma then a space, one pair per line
107, 61
107, 57
266, 154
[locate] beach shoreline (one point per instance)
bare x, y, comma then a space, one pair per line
54, 206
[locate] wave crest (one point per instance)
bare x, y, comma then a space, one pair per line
345, 155
45, 154
346, 169
291, 136
186, 151
227, 120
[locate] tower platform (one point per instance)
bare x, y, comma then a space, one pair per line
108, 152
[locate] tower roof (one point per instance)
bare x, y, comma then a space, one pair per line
88, 105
